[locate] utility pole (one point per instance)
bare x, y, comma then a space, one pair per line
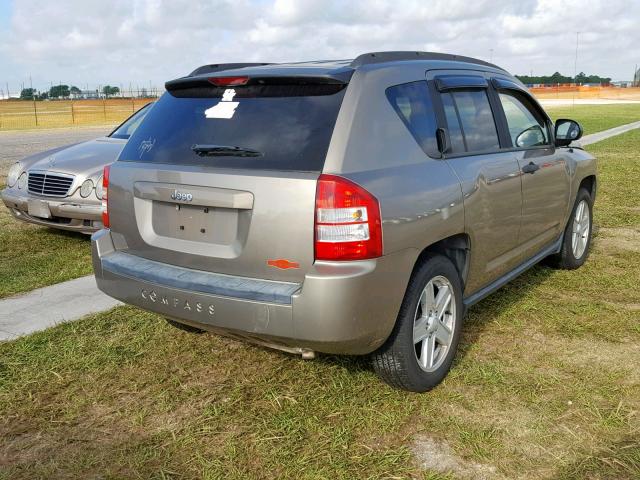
575, 60
575, 67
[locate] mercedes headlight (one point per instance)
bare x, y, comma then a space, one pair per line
99, 189
14, 173
22, 181
86, 188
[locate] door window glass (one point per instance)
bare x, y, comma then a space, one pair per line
525, 128
453, 124
476, 118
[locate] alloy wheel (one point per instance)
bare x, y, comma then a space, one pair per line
434, 323
581, 229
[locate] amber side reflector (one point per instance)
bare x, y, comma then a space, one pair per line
283, 263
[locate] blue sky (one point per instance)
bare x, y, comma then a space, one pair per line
90, 43
5, 12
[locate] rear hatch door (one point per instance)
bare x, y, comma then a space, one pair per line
222, 178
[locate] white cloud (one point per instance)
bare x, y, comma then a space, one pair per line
122, 41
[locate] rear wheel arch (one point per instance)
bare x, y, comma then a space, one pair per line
456, 248
423, 327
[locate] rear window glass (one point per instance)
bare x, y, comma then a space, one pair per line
243, 127
413, 105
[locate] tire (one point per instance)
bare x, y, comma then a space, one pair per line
570, 258
184, 327
401, 362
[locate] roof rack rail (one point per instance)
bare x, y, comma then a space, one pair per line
219, 67
380, 57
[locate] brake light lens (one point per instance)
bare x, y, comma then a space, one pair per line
228, 81
105, 196
347, 223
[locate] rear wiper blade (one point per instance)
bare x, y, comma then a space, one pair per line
224, 151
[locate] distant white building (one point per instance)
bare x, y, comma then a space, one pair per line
85, 95
9, 96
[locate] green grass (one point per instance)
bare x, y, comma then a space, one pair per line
33, 256
595, 118
546, 385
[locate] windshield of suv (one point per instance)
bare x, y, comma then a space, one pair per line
283, 128
130, 124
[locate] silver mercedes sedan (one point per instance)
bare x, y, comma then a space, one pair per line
62, 187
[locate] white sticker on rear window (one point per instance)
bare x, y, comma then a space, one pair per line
146, 146
225, 108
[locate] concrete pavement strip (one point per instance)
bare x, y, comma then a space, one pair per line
612, 132
45, 307
68, 301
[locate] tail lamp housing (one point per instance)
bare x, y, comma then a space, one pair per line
348, 224
105, 197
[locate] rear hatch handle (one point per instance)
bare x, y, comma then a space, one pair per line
194, 194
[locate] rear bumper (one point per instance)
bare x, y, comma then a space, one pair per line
341, 307
67, 214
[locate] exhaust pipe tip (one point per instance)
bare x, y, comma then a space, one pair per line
308, 354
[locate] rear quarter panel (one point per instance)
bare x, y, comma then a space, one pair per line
420, 197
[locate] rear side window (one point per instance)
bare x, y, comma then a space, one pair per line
475, 119
412, 103
274, 128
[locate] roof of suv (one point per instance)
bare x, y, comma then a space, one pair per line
340, 69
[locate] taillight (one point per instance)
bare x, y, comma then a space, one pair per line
347, 223
105, 196
228, 81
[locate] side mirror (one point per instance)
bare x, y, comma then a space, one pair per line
567, 131
531, 137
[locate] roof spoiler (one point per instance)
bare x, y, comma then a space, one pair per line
219, 67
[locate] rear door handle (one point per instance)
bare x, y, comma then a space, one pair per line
530, 168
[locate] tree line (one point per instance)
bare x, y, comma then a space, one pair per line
557, 77
64, 91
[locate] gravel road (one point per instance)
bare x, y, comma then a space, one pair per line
17, 144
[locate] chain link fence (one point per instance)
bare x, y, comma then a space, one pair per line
559, 90
22, 114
